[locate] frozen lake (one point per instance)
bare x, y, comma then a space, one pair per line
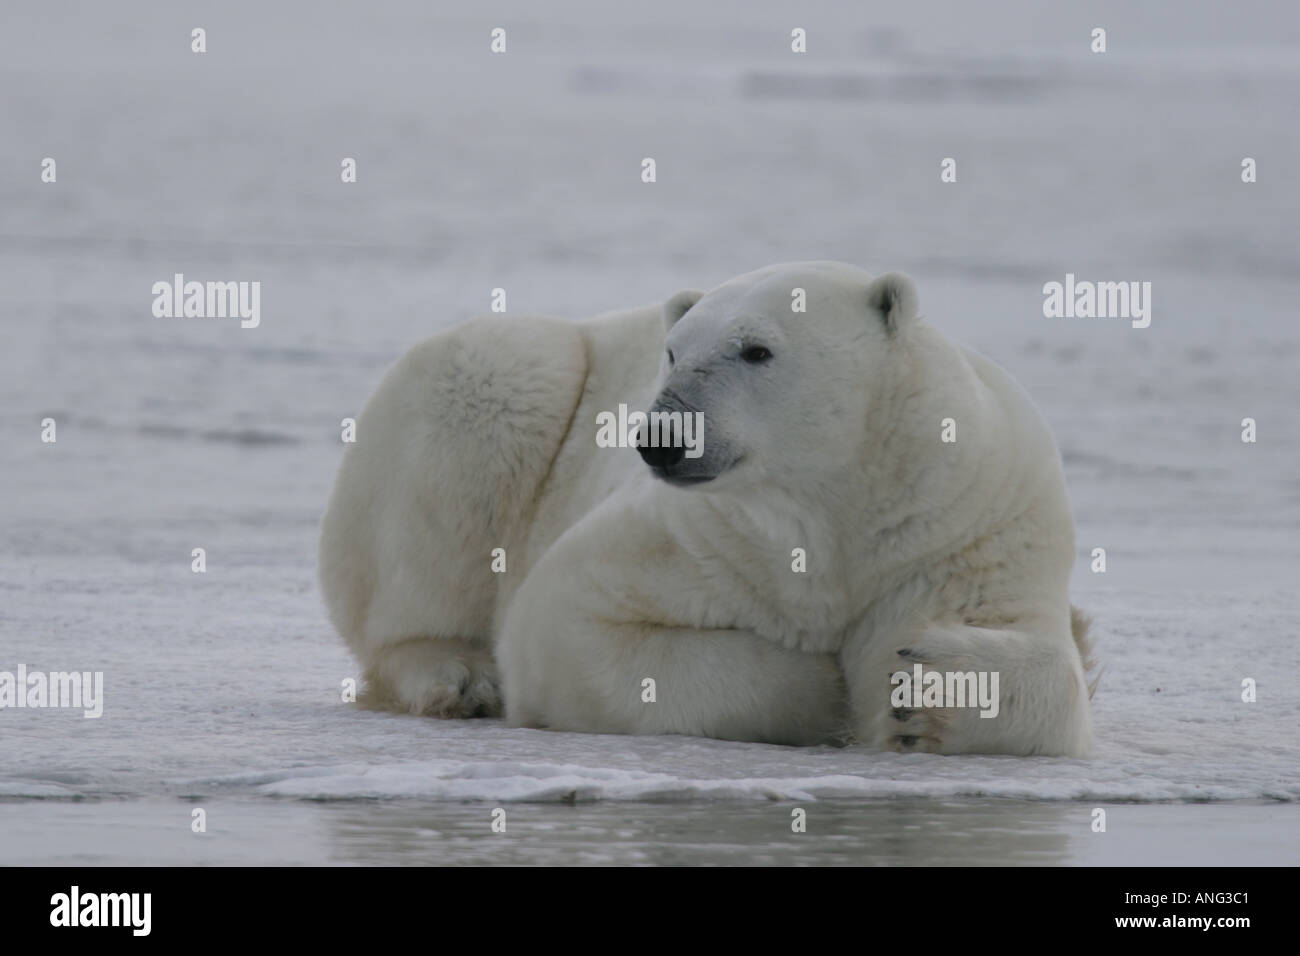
222, 690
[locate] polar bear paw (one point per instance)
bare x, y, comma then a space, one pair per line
916, 729
434, 677
983, 691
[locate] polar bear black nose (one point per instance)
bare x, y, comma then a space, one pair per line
658, 456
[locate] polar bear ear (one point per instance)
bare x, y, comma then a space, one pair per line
893, 295
679, 305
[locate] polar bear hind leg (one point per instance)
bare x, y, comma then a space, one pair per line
449, 457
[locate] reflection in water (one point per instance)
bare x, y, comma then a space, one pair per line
255, 831
888, 833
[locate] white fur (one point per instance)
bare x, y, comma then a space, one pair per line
955, 554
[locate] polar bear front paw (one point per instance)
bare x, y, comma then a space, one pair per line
434, 677
976, 690
911, 729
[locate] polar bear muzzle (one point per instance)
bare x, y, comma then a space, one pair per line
671, 442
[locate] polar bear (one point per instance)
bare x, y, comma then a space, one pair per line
868, 500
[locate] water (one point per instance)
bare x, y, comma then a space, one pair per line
874, 833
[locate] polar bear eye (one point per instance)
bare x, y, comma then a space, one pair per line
670, 357
755, 354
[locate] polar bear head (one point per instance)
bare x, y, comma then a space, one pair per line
785, 365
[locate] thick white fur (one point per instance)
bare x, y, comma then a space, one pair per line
955, 555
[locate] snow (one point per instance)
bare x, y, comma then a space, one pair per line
523, 172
